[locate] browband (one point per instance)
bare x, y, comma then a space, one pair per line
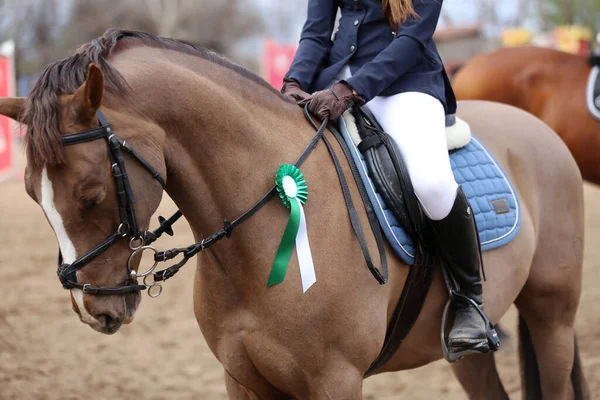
88, 136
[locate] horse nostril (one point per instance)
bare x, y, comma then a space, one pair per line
106, 320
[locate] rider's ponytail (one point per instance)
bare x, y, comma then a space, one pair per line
398, 11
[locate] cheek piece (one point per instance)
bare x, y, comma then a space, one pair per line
128, 226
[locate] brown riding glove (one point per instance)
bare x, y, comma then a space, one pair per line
291, 89
331, 103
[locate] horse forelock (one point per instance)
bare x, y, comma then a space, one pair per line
42, 107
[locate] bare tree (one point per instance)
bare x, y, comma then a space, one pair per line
169, 17
48, 30
582, 12
214, 24
36, 27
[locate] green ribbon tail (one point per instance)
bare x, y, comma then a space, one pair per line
286, 246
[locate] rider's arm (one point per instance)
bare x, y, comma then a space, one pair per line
402, 54
315, 42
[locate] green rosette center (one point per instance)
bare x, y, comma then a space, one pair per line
283, 182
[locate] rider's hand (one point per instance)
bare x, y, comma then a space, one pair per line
291, 89
331, 103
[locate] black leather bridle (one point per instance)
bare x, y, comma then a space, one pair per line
128, 226
140, 241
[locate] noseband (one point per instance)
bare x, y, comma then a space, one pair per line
128, 227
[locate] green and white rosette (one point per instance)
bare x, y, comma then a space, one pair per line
293, 192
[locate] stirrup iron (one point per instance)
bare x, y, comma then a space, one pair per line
493, 341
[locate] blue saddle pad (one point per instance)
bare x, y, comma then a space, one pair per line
483, 181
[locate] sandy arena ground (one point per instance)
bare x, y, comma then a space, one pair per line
46, 353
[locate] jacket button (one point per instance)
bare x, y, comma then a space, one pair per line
352, 48
356, 22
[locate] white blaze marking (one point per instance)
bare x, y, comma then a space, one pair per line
66, 245
85, 315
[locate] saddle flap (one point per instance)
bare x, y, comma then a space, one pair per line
389, 173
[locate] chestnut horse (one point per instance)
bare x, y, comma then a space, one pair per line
217, 134
548, 83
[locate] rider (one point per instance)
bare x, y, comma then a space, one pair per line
383, 55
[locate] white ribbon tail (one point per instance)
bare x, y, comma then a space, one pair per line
307, 268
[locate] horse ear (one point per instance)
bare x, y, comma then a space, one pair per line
88, 98
12, 107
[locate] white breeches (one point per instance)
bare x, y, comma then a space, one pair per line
416, 122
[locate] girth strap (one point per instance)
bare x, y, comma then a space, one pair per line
375, 144
407, 310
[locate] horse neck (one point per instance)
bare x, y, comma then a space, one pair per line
225, 137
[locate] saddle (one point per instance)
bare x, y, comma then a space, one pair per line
388, 171
392, 182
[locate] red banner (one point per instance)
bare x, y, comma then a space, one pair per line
5, 131
277, 59
6, 90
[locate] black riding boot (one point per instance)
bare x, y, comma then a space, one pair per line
458, 239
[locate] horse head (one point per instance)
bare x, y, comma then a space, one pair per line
76, 186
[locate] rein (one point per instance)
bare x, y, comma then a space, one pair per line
141, 241
225, 232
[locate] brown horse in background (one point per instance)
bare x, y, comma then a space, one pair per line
217, 134
548, 83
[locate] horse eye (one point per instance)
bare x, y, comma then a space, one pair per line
89, 204
89, 197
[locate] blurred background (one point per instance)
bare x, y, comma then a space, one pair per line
251, 31
46, 353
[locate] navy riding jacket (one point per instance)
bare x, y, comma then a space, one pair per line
383, 61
